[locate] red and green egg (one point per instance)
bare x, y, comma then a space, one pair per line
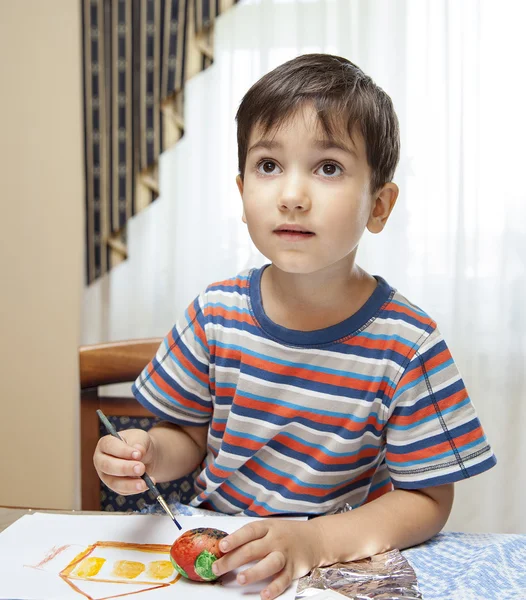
195, 551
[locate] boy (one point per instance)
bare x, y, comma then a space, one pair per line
308, 385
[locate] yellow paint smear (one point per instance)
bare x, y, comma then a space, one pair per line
159, 569
127, 569
89, 567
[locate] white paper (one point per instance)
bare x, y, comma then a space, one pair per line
37, 548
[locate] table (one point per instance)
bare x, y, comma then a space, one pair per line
451, 566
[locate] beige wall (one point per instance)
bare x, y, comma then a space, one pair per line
41, 250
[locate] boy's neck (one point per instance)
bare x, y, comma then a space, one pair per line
316, 300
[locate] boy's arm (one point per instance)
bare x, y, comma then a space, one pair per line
399, 519
287, 550
177, 450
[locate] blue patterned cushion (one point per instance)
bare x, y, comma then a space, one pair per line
179, 490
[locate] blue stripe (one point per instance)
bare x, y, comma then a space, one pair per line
305, 409
161, 413
438, 457
256, 502
439, 395
317, 465
387, 338
180, 392
448, 478
429, 373
379, 485
397, 316
245, 435
414, 309
309, 382
191, 325
348, 486
434, 440
314, 425
175, 385
298, 365
431, 417
229, 308
291, 477
325, 450
187, 354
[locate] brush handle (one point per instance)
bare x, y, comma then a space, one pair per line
151, 485
146, 478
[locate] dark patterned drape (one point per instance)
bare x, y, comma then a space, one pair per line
137, 56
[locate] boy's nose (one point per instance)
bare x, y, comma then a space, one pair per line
294, 195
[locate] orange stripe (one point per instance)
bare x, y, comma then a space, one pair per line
388, 487
217, 472
232, 492
229, 314
161, 383
289, 413
429, 409
346, 382
218, 427
320, 456
234, 282
290, 484
430, 364
382, 345
437, 448
197, 329
181, 358
405, 310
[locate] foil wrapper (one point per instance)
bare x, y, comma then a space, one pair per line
386, 576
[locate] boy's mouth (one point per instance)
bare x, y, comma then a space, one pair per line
293, 232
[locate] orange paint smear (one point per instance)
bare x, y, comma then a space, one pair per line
50, 556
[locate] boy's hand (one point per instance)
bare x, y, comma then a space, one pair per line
285, 550
120, 464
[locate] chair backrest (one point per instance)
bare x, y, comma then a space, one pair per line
104, 364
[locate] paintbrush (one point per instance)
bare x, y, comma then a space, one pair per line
151, 485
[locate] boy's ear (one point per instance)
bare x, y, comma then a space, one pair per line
383, 203
239, 183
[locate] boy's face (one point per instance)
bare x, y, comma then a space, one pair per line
306, 198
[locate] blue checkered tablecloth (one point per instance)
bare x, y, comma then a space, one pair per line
471, 566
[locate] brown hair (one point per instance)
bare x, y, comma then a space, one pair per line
338, 90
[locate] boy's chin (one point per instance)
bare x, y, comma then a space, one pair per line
296, 268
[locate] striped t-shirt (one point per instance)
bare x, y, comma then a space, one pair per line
305, 422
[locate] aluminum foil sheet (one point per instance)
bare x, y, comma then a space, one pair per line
386, 576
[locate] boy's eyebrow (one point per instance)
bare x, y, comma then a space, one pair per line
265, 145
331, 144
323, 144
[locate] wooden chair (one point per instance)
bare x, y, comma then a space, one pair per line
104, 364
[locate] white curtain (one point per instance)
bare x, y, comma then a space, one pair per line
456, 242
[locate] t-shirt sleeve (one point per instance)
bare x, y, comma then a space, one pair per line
433, 435
175, 384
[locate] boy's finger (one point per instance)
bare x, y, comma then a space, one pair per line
125, 486
247, 533
270, 565
109, 465
246, 554
114, 447
277, 586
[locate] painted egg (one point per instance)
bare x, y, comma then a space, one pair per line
194, 553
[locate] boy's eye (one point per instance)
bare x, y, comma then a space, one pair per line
269, 167
330, 170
